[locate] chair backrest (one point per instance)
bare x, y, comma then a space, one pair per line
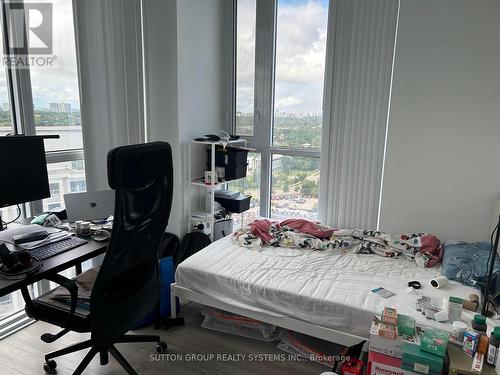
127, 286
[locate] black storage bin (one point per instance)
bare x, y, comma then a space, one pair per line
235, 205
232, 159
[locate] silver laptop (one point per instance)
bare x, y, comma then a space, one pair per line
95, 205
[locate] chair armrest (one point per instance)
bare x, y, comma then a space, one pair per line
69, 284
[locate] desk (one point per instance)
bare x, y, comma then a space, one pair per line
54, 264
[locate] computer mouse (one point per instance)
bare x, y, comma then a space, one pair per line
101, 236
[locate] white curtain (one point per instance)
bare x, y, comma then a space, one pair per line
109, 51
360, 50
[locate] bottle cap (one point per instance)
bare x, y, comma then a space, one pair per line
479, 319
456, 300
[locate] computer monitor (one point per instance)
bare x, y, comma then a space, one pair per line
23, 170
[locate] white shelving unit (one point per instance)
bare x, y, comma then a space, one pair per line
199, 182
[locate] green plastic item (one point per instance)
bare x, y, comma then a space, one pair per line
460, 301
419, 361
496, 333
435, 341
406, 325
479, 319
40, 219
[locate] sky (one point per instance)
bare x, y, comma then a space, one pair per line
300, 55
58, 83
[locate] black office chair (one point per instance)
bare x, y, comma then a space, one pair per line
127, 285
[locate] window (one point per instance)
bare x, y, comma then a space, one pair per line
54, 189
245, 66
42, 98
56, 101
77, 186
66, 176
250, 185
283, 118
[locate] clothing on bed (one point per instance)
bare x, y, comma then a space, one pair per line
424, 248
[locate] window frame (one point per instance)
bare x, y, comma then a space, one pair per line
23, 122
264, 96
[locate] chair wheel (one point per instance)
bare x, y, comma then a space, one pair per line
50, 366
161, 347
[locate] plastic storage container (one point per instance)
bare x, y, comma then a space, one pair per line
222, 321
236, 205
455, 308
311, 348
232, 159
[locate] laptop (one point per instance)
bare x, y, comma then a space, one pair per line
95, 205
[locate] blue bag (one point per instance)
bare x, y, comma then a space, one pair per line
166, 270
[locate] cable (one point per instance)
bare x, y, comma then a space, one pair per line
5, 223
491, 258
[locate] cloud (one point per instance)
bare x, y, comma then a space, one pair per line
287, 101
60, 82
300, 55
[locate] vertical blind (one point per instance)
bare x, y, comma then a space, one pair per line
109, 50
360, 51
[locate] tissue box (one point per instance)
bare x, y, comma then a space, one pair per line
406, 325
390, 347
435, 341
420, 361
390, 315
471, 339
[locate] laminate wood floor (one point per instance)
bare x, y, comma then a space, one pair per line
22, 353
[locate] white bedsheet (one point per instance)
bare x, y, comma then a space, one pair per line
327, 288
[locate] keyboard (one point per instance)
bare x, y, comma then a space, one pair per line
49, 250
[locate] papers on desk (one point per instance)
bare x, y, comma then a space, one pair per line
55, 235
51, 238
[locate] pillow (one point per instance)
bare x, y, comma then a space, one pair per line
467, 262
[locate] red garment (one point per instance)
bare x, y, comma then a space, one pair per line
260, 228
431, 246
308, 227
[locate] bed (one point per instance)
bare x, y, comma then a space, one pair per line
325, 294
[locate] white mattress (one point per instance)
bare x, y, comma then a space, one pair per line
327, 288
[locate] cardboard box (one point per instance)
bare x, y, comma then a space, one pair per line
406, 325
393, 348
380, 364
471, 339
435, 341
387, 330
390, 315
417, 360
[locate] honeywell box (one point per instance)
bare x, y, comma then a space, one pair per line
380, 364
392, 348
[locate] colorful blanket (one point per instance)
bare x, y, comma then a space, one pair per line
424, 249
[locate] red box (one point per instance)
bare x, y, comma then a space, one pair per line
353, 367
380, 364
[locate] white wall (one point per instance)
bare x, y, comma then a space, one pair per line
185, 85
160, 70
201, 80
442, 170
